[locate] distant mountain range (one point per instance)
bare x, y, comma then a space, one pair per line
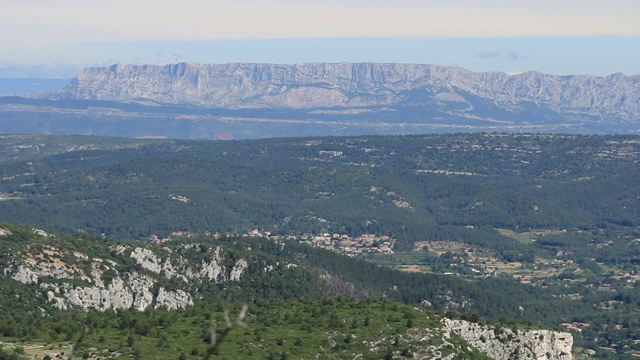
358, 85
339, 99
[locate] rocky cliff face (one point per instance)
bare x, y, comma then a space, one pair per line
360, 85
71, 279
507, 344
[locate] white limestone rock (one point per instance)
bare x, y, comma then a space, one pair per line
86, 297
505, 344
120, 295
25, 275
40, 232
238, 269
353, 86
120, 289
212, 269
173, 299
141, 286
31, 269
147, 259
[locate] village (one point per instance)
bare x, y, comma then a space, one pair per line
340, 243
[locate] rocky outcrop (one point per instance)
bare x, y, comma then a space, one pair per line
238, 270
135, 293
507, 344
358, 85
173, 300
74, 280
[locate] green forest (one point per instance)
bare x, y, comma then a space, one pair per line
300, 329
409, 187
498, 222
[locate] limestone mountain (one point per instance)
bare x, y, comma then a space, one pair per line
248, 101
357, 86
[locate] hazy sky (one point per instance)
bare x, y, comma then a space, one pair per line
53, 38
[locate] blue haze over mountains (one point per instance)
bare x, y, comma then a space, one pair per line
244, 100
26, 86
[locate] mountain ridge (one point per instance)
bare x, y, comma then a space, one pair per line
358, 85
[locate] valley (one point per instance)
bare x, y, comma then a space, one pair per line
527, 230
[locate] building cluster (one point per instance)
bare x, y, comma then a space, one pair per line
351, 246
575, 326
341, 243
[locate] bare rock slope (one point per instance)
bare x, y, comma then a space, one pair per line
507, 344
359, 85
72, 279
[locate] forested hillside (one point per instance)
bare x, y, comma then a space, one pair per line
535, 228
412, 188
48, 272
142, 300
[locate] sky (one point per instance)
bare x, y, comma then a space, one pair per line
56, 38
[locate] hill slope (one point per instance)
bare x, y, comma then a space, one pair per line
410, 188
83, 273
557, 212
